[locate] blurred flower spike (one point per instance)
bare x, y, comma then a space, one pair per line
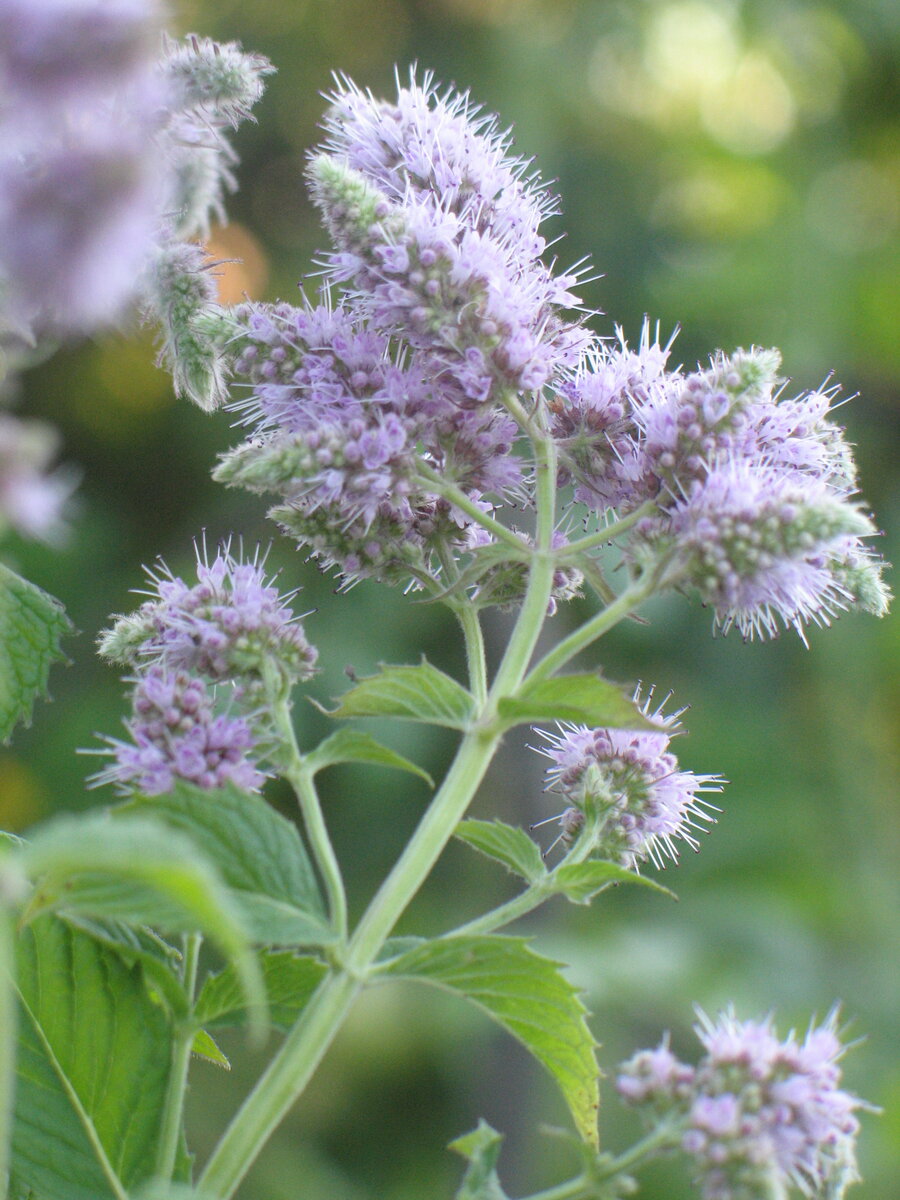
759, 1117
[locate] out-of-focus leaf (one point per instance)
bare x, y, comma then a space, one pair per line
529, 996
259, 854
32, 624
138, 871
482, 1148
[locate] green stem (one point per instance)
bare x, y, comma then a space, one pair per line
293, 769
505, 914
183, 1040
8, 1042
603, 536
572, 1189
584, 1186
474, 639
458, 498
291, 1068
581, 638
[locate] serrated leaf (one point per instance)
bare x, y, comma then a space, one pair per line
351, 745
528, 995
585, 699
94, 1056
421, 693
137, 871
579, 882
204, 1047
32, 624
482, 1148
290, 981
507, 844
259, 854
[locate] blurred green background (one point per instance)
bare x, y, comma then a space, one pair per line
732, 167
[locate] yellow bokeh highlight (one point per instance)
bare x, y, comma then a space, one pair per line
242, 270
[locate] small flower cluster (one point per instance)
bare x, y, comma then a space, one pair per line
630, 782
752, 493
187, 642
759, 1116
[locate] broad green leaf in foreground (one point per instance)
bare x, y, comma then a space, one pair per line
290, 981
259, 855
94, 1054
579, 882
137, 871
421, 693
482, 1148
31, 626
137, 943
351, 745
528, 995
585, 699
505, 843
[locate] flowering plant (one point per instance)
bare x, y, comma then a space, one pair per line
438, 390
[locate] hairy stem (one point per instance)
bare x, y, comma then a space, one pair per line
294, 770
170, 1128
605, 535
458, 498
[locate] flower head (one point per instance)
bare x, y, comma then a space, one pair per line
758, 1116
176, 734
632, 781
231, 625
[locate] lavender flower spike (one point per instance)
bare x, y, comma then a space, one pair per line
230, 625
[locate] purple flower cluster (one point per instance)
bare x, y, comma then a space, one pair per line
341, 430
631, 781
186, 642
759, 1116
230, 626
753, 492
176, 735
437, 228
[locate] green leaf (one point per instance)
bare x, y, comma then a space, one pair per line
421, 693
506, 843
137, 871
204, 1047
259, 854
586, 699
290, 981
482, 1148
527, 994
579, 882
134, 943
32, 624
94, 1055
351, 745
